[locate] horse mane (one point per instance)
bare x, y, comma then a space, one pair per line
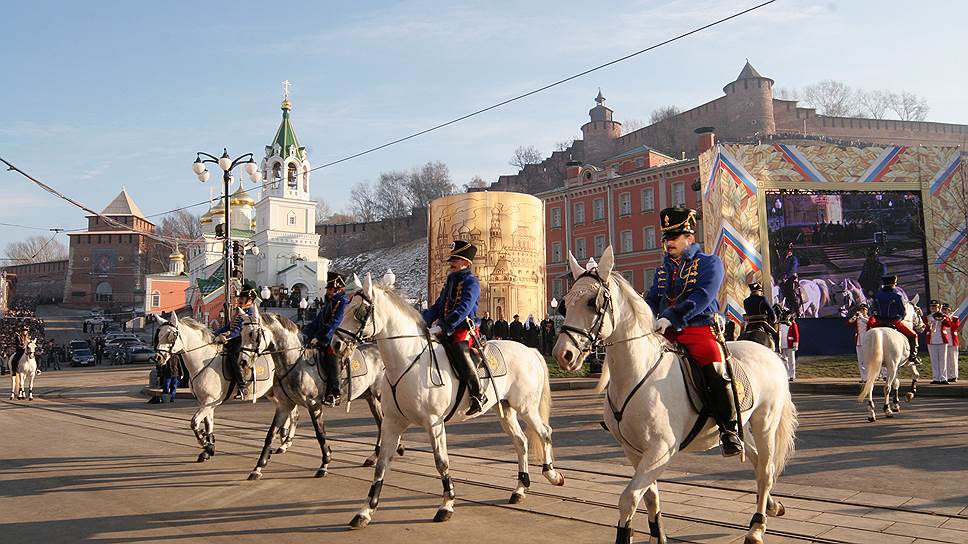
639, 306
400, 303
192, 324
284, 331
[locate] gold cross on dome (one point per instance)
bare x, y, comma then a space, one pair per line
285, 89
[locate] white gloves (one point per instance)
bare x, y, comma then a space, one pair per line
222, 338
436, 330
662, 324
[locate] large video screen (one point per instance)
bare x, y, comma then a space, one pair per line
829, 250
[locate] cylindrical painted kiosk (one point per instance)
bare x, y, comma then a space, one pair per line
508, 230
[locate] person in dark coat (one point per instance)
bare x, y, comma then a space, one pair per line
170, 373
321, 331
501, 329
532, 333
548, 335
516, 329
487, 326
890, 311
231, 335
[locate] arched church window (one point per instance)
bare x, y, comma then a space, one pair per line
305, 178
293, 177
156, 299
276, 175
103, 292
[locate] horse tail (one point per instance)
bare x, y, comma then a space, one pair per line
603, 377
873, 355
785, 433
535, 443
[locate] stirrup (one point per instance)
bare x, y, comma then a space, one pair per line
477, 405
730, 444
331, 400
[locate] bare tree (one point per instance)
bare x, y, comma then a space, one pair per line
663, 113
525, 155
631, 125
564, 145
181, 224
873, 104
35, 249
339, 218
831, 97
786, 93
390, 195
427, 183
908, 106
476, 182
363, 202
322, 210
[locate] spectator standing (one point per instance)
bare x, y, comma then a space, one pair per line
953, 323
169, 373
789, 343
532, 333
936, 334
547, 335
517, 329
501, 328
487, 326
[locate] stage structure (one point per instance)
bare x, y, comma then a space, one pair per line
836, 204
508, 230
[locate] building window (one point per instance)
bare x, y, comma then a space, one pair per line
292, 218
648, 199
579, 213
648, 276
293, 177
555, 218
615, 168
679, 194
599, 245
648, 233
557, 289
625, 204
640, 162
580, 249
103, 292
598, 209
556, 252
626, 241
156, 299
629, 277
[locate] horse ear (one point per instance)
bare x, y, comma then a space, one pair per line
356, 281
255, 313
174, 318
606, 264
368, 285
916, 298
576, 269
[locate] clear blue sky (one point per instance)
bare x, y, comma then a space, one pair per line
99, 95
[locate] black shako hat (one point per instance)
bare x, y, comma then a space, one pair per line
889, 280
676, 221
335, 281
248, 291
755, 286
462, 249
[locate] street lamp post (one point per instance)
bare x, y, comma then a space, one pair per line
227, 164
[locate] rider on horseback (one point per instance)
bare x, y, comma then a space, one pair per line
789, 279
889, 311
321, 331
683, 296
759, 313
231, 335
451, 318
20, 341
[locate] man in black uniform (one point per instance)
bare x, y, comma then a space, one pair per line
231, 335
759, 313
322, 329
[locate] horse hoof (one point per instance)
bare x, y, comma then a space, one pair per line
277, 451
320, 473
368, 462
202, 457
516, 498
561, 480
752, 540
255, 476
401, 450
872, 419
909, 397
888, 414
780, 509
359, 522
443, 515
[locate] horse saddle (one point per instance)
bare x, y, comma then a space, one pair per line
695, 385
357, 366
262, 371
494, 359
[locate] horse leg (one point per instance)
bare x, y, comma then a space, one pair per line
774, 508
895, 389
513, 429
765, 440
656, 531
30, 386
13, 383
914, 384
210, 433
287, 431
316, 414
541, 433
887, 399
376, 409
264, 456
393, 427
646, 473
438, 438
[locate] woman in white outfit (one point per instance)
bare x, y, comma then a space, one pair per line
936, 335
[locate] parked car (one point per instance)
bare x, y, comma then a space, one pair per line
139, 354
111, 337
82, 357
75, 345
120, 346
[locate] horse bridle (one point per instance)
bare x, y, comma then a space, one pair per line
169, 353
256, 353
365, 313
594, 333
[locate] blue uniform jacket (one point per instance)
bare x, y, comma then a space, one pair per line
684, 291
457, 301
889, 304
324, 324
235, 327
791, 265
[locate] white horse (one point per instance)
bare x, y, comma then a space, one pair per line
647, 408
299, 381
884, 346
23, 372
424, 390
845, 294
814, 295
204, 360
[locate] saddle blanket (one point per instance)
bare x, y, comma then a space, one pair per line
357, 361
262, 371
495, 362
693, 380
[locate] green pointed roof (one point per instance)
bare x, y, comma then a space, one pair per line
286, 136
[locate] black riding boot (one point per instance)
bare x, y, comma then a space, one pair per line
720, 396
478, 400
233, 360
913, 357
331, 370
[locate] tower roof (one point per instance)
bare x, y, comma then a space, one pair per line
286, 136
123, 205
600, 99
748, 72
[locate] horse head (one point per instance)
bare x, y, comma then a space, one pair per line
588, 310
913, 314
360, 321
169, 339
254, 339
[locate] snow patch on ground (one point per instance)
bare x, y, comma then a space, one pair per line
408, 262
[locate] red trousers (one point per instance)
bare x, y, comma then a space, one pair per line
464, 335
700, 342
897, 325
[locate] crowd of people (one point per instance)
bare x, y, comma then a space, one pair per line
539, 335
